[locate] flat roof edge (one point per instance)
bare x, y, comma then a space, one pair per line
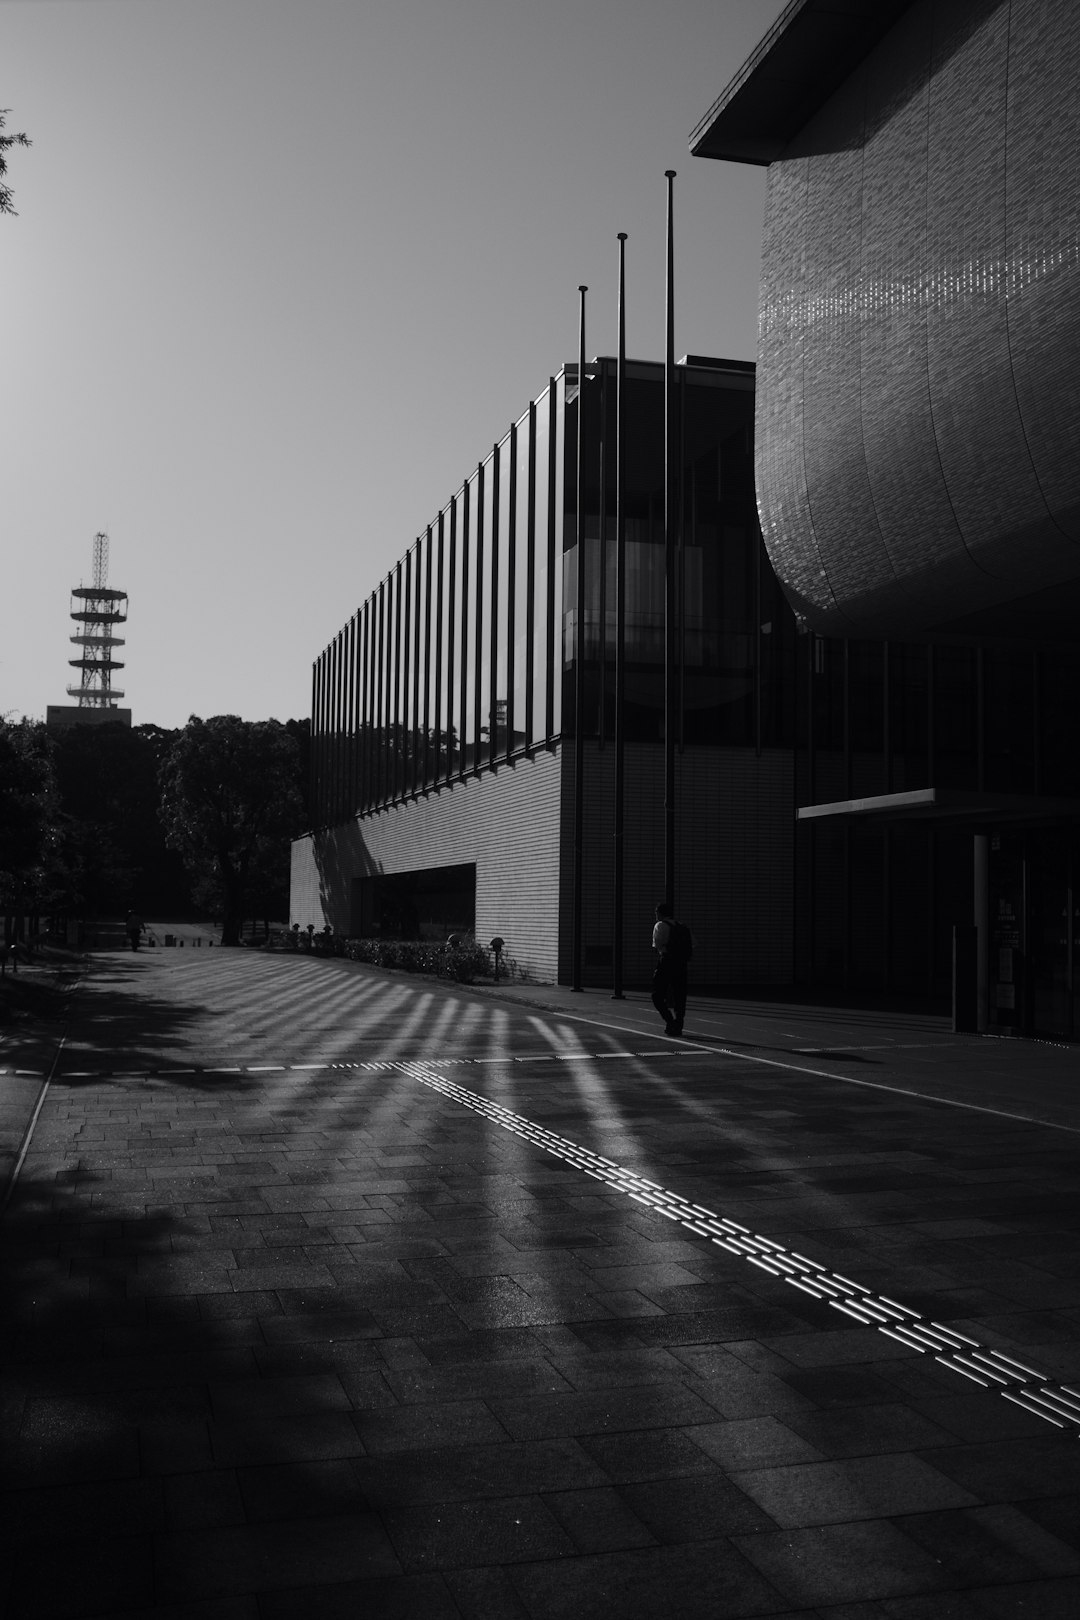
753, 62
811, 48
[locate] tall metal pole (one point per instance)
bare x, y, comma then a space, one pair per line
620, 646
671, 519
579, 655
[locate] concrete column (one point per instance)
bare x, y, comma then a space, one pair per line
981, 919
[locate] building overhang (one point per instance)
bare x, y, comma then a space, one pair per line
807, 54
945, 804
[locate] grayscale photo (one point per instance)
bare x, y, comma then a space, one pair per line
540, 810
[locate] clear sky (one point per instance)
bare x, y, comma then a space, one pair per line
282, 272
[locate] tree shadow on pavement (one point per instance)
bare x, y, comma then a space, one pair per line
115, 1026
145, 1459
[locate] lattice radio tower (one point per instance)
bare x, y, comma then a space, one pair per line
96, 609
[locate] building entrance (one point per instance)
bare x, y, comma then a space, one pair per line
1034, 930
425, 905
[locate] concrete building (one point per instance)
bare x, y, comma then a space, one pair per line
877, 777
918, 481
445, 712
60, 715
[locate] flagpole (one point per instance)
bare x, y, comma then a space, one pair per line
671, 518
579, 656
620, 644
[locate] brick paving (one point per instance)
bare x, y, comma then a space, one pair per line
294, 1328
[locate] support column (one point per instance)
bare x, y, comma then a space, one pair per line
981, 919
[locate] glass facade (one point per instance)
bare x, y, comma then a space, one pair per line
992, 728
463, 658
499, 627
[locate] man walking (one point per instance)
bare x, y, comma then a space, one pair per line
674, 945
134, 927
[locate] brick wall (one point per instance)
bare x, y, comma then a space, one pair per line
734, 853
506, 821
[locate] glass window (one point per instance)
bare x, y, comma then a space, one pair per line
450, 643
722, 628
349, 681
866, 696
1059, 678
556, 555
408, 654
643, 558
316, 735
909, 674
331, 729
501, 543
484, 562
380, 699
416, 739
956, 718
541, 652
366, 706
522, 560
397, 773
351, 724
405, 701
467, 696
328, 730
827, 718
438, 660
1010, 719
431, 627
569, 547
392, 682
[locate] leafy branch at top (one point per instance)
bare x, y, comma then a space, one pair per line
7, 141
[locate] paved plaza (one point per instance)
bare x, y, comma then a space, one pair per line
329, 1292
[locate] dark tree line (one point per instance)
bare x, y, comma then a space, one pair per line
231, 800
97, 820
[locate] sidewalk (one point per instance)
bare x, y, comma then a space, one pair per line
331, 1292
33, 1007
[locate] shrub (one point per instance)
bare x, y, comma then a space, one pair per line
463, 963
466, 962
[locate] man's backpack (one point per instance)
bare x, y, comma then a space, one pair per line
680, 941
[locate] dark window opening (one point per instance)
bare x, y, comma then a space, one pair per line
425, 905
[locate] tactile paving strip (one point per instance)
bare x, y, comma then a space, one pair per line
1058, 1404
369, 1067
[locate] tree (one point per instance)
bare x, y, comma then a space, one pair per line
113, 842
230, 787
6, 142
28, 818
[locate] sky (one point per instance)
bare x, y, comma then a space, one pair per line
284, 270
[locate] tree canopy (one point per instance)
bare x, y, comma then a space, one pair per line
230, 800
6, 143
114, 848
28, 815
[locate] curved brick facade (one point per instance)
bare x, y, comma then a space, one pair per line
918, 431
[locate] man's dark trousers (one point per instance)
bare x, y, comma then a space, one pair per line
669, 990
